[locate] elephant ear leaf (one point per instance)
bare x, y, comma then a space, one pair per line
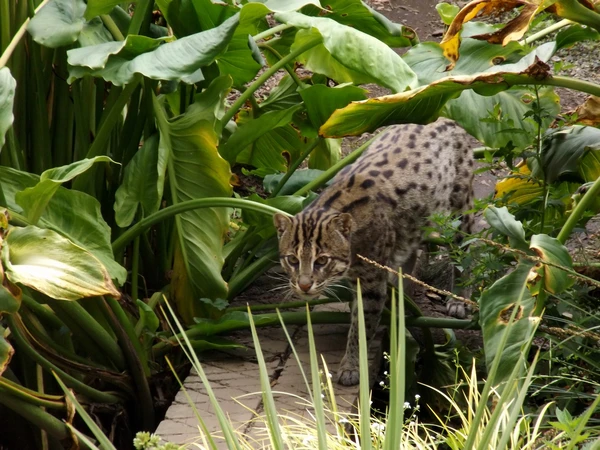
196, 170
50, 263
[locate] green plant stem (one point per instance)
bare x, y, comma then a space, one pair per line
579, 210
188, 205
4, 24
135, 268
271, 31
8, 387
112, 27
294, 166
37, 416
94, 330
546, 31
289, 69
250, 273
333, 170
299, 318
108, 123
237, 105
15, 325
133, 355
287, 305
141, 9
17, 38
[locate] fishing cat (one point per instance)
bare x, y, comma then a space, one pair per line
377, 207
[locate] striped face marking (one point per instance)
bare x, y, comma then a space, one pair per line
314, 249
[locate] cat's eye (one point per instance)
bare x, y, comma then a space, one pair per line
291, 259
321, 260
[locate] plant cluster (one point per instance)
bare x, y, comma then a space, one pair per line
123, 124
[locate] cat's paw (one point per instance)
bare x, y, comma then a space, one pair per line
456, 308
348, 376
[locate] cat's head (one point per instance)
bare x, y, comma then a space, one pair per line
314, 249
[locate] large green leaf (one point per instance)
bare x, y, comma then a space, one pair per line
299, 179
321, 101
7, 98
505, 223
98, 7
326, 154
58, 23
196, 170
6, 350
47, 262
420, 105
357, 14
348, 55
563, 150
240, 61
74, 214
237, 146
496, 306
182, 60
429, 63
286, 5
142, 185
550, 249
34, 200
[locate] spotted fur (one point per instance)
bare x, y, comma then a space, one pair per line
376, 208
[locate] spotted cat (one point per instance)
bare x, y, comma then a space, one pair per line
377, 207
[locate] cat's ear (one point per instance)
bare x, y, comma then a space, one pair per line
343, 222
281, 222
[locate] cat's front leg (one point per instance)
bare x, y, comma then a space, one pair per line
374, 289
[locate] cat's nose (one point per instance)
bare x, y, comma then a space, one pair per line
305, 284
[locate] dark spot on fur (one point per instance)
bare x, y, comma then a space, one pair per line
457, 188
411, 144
416, 167
367, 184
374, 173
433, 134
360, 201
426, 145
412, 136
424, 187
381, 163
388, 174
402, 164
460, 160
395, 138
471, 163
439, 177
417, 154
332, 199
458, 145
430, 175
398, 150
428, 161
412, 185
436, 154
350, 182
400, 192
387, 199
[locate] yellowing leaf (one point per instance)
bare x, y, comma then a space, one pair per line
47, 262
512, 31
518, 188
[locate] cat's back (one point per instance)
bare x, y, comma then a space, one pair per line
423, 168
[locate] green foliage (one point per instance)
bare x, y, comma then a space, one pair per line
116, 134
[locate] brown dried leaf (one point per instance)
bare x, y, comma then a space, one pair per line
514, 30
588, 113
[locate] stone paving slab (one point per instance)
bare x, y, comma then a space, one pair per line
234, 375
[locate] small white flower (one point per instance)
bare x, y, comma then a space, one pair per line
344, 420
382, 383
322, 395
385, 372
417, 397
406, 405
329, 375
417, 407
412, 423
